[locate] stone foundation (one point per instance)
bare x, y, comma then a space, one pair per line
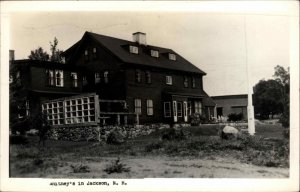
97, 133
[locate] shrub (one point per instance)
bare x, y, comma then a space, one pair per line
235, 117
18, 140
80, 168
197, 119
174, 134
115, 138
152, 146
116, 167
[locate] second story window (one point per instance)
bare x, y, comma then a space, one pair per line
149, 107
169, 80
172, 56
97, 78
185, 81
193, 82
84, 80
50, 77
105, 75
138, 106
148, 77
133, 49
154, 53
86, 55
138, 76
59, 78
95, 53
74, 79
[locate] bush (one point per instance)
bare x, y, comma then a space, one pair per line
197, 119
115, 138
116, 167
152, 146
174, 134
235, 117
80, 168
18, 140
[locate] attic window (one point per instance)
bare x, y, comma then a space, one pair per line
154, 53
134, 49
86, 55
172, 56
95, 52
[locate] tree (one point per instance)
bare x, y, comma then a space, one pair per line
39, 54
282, 76
41, 123
266, 98
56, 54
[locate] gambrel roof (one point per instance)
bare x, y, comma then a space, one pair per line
118, 48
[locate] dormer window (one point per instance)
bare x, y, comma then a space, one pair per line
134, 49
105, 75
154, 53
169, 80
86, 55
172, 56
95, 52
97, 78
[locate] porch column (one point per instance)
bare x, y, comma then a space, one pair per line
175, 111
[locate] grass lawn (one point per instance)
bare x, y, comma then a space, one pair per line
203, 154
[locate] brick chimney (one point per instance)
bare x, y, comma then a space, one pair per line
139, 37
11, 55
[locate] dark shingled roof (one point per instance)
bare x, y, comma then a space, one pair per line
118, 48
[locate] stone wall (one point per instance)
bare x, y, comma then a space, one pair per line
97, 133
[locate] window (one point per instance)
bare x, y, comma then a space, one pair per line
105, 74
149, 107
167, 109
97, 78
95, 52
185, 82
193, 82
148, 77
154, 53
198, 107
189, 108
138, 106
86, 55
23, 110
179, 109
138, 76
59, 78
169, 80
84, 80
50, 77
172, 56
74, 79
133, 49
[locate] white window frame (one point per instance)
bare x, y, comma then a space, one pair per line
169, 80
74, 78
50, 77
167, 113
175, 111
154, 53
138, 106
133, 49
185, 111
198, 107
150, 107
86, 55
172, 56
61, 78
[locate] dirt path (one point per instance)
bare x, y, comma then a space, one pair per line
166, 167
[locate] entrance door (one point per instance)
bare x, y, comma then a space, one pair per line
219, 111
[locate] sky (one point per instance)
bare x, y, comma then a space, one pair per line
221, 42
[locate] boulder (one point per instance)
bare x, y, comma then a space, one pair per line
229, 132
